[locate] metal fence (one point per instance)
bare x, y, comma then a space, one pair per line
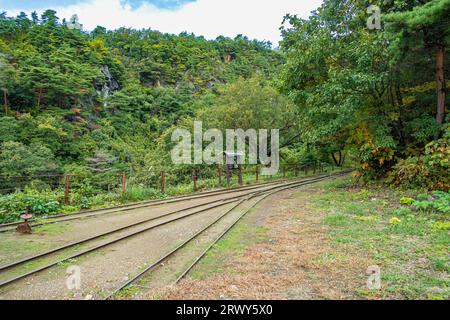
199, 178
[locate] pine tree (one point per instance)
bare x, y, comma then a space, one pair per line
425, 25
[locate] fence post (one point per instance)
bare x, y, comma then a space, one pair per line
194, 177
124, 182
240, 181
219, 171
257, 173
66, 192
162, 181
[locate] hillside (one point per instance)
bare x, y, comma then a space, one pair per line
68, 94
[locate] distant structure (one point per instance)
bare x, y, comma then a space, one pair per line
73, 23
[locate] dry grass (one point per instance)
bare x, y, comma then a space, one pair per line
297, 261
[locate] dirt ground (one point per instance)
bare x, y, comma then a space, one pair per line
293, 259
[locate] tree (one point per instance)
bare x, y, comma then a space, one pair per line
17, 159
49, 18
7, 76
424, 25
252, 104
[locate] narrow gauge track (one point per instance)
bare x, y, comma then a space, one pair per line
173, 212
128, 207
262, 194
240, 199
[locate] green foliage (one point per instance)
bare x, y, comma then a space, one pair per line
402, 212
39, 203
439, 202
17, 159
95, 104
406, 200
365, 91
431, 170
436, 202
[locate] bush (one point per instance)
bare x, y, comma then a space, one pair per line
39, 202
439, 201
431, 170
402, 212
137, 193
407, 201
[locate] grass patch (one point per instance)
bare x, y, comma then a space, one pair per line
233, 244
127, 293
52, 229
410, 246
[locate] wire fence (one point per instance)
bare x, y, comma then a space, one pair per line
166, 182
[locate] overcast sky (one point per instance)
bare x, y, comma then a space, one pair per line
257, 19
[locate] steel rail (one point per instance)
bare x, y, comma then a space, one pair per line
97, 247
66, 246
172, 252
197, 260
154, 264
224, 202
137, 205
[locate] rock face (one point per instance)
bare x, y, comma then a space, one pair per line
109, 86
74, 23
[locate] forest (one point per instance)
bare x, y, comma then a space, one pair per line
95, 104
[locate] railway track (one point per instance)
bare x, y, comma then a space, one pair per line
259, 192
128, 207
260, 196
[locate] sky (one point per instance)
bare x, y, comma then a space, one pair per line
257, 19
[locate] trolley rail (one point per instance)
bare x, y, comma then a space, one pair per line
262, 190
262, 194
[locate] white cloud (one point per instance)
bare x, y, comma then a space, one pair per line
259, 19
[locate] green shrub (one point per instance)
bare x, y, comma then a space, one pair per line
407, 201
39, 202
402, 211
430, 170
138, 193
439, 202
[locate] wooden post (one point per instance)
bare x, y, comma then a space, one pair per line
66, 192
162, 181
296, 171
124, 182
219, 172
228, 175
257, 173
284, 172
241, 182
194, 177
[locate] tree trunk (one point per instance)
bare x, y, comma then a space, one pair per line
336, 161
5, 97
39, 99
440, 81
